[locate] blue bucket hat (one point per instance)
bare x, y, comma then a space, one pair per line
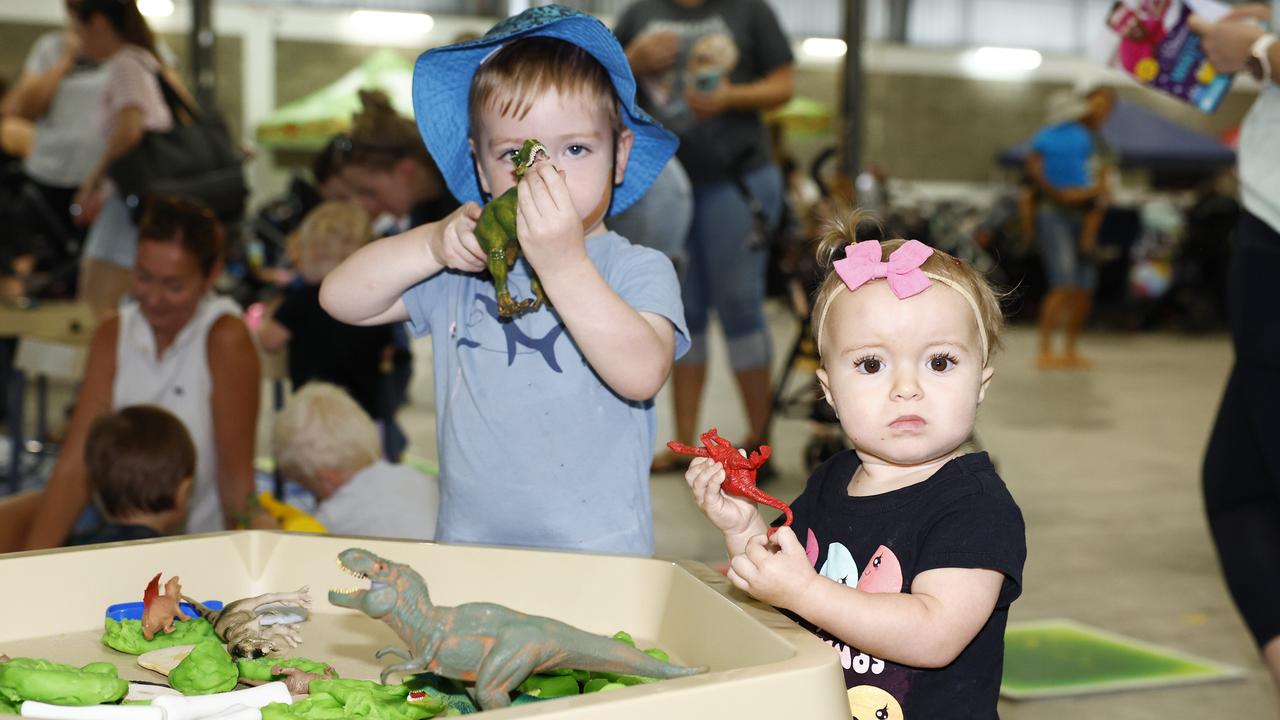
442, 85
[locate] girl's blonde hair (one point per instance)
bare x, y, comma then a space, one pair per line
321, 428
839, 233
329, 235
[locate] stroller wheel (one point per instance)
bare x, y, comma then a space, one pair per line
820, 448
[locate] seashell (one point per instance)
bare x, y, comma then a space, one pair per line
165, 660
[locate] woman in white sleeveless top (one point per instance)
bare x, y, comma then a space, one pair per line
177, 346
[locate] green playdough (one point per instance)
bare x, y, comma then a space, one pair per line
338, 699
208, 669
50, 682
260, 668
126, 635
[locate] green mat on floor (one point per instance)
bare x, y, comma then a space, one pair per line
1058, 658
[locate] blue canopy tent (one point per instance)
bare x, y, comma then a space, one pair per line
1143, 139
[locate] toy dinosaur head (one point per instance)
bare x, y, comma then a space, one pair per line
384, 576
528, 155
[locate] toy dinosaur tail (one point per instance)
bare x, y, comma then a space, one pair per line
205, 612
601, 654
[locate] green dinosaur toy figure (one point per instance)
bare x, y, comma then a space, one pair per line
493, 646
496, 231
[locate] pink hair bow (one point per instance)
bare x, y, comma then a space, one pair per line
861, 263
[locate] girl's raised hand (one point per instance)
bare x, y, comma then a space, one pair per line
454, 244
728, 513
775, 571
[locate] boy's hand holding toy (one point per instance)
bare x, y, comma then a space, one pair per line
454, 244
547, 223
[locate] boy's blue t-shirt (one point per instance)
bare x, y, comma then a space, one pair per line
535, 450
1066, 150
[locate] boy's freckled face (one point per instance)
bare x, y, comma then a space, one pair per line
579, 139
905, 376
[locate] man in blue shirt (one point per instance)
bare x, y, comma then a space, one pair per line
1067, 168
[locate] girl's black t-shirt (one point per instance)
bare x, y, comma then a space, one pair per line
961, 517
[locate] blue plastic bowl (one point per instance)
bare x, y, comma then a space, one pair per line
133, 610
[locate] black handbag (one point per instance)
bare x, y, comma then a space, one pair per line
194, 160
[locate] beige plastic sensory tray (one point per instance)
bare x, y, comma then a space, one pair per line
762, 665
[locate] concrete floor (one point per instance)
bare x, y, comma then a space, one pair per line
1105, 465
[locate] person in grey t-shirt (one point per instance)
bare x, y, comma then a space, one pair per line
706, 69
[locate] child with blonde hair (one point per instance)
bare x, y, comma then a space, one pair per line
326, 443
905, 552
320, 347
546, 421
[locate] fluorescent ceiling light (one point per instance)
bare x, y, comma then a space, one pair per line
155, 8
998, 60
821, 47
391, 23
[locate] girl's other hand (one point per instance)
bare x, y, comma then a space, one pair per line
774, 571
455, 244
728, 513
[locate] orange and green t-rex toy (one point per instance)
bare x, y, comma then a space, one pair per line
496, 231
490, 645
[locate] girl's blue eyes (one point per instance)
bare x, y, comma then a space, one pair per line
572, 151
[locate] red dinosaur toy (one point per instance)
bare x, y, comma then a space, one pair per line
739, 471
159, 610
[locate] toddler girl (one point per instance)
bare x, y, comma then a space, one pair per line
906, 552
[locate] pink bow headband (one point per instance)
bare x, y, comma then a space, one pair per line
902, 271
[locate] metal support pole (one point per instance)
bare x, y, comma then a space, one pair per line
852, 97
899, 11
203, 72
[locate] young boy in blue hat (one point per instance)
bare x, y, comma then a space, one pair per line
545, 421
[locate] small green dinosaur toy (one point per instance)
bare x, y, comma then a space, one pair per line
492, 646
496, 231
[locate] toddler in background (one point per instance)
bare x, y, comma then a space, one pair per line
905, 552
140, 462
325, 442
321, 348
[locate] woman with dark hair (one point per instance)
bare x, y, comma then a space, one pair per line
178, 346
114, 33
385, 165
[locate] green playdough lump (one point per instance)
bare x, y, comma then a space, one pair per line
126, 635
260, 668
550, 686
208, 669
44, 681
338, 699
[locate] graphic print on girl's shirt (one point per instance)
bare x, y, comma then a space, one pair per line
882, 574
